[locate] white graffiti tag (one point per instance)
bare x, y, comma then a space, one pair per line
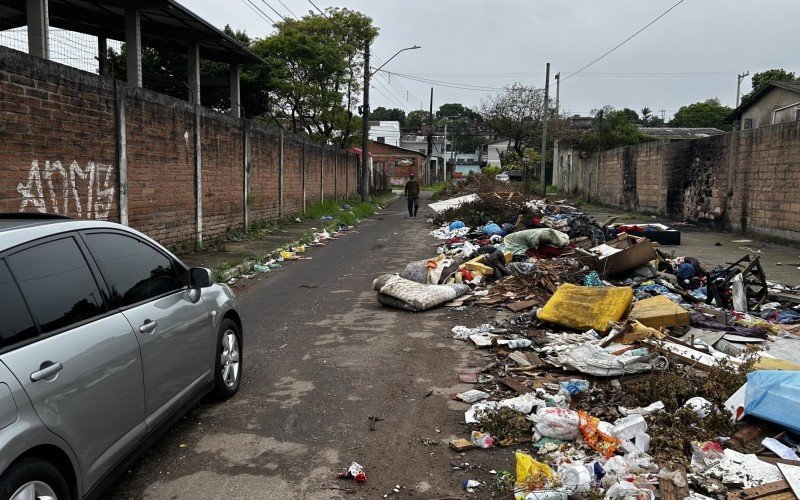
65, 186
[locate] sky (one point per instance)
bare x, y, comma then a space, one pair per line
691, 54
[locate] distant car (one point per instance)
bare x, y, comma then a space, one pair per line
514, 176
106, 340
502, 177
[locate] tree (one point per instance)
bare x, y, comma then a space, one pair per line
313, 69
646, 115
516, 113
633, 116
416, 119
612, 129
708, 113
456, 110
762, 78
382, 114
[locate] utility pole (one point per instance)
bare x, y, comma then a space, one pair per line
365, 173
739, 79
445, 152
430, 142
544, 130
556, 155
663, 115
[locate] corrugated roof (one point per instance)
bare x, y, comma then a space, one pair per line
680, 133
164, 23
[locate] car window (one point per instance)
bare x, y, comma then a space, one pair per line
17, 324
57, 282
133, 270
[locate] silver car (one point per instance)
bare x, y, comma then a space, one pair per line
106, 339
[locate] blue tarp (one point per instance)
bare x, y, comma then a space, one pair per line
774, 395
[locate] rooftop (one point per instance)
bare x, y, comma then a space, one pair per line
791, 86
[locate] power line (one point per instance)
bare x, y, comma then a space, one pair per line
287, 8
273, 9
583, 75
454, 85
626, 40
255, 8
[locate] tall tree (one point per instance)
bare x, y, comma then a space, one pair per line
457, 110
314, 67
416, 119
633, 116
612, 129
516, 113
394, 114
708, 113
762, 78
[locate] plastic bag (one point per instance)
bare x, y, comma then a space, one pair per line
601, 442
585, 307
531, 475
557, 423
774, 395
482, 439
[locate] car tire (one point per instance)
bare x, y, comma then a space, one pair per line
228, 361
42, 476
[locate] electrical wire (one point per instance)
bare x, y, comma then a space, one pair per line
273, 9
287, 8
625, 41
454, 85
263, 15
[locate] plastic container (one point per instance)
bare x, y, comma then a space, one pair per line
518, 343
577, 479
574, 386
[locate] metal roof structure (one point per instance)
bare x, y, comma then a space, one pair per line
680, 133
164, 24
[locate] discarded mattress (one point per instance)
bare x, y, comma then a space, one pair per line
587, 307
394, 291
441, 206
774, 395
520, 242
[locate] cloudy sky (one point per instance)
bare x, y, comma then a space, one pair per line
693, 53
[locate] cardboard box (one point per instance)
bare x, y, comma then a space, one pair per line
659, 311
618, 255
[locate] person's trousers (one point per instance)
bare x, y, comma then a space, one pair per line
413, 205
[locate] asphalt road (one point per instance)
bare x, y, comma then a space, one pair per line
319, 361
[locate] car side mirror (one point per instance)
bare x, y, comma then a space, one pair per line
200, 277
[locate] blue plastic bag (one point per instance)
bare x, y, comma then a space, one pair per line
456, 225
774, 395
493, 228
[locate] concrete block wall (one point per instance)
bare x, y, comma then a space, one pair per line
744, 180
75, 143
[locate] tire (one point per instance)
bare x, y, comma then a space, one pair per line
227, 369
35, 473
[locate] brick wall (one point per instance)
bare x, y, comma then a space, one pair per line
69, 139
746, 180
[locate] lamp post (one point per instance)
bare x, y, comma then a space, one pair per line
365, 172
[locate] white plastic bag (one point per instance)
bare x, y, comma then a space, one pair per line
557, 423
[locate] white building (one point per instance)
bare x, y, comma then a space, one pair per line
385, 132
490, 152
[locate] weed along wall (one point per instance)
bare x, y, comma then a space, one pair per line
90, 147
746, 180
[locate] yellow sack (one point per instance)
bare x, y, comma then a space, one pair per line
531, 475
288, 255
585, 307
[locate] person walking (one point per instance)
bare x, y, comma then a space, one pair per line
412, 195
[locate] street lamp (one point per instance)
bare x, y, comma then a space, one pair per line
365, 120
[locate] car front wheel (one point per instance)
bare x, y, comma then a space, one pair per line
32, 478
228, 369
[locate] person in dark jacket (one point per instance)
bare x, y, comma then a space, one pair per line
412, 195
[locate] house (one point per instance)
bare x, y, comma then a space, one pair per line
438, 147
775, 102
489, 152
387, 132
675, 134
397, 163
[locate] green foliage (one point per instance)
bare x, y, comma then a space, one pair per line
709, 113
416, 119
516, 113
512, 161
762, 78
457, 110
382, 114
491, 171
633, 116
613, 129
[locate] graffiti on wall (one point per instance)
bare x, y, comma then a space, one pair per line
86, 193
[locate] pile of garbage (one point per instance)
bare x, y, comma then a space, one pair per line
617, 371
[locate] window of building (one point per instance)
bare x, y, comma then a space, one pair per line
133, 271
797, 113
382, 140
58, 284
748, 123
17, 324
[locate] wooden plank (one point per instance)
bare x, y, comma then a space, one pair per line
514, 385
777, 487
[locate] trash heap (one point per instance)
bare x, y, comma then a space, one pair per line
617, 371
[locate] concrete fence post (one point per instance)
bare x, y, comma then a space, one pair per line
122, 151
246, 173
322, 174
280, 176
198, 176
303, 173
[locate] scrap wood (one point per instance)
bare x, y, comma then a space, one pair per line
515, 385
767, 490
522, 305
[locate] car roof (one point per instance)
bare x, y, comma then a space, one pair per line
19, 228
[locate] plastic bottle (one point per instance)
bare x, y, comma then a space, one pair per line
519, 343
574, 386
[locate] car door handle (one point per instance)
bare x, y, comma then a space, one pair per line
47, 371
148, 326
